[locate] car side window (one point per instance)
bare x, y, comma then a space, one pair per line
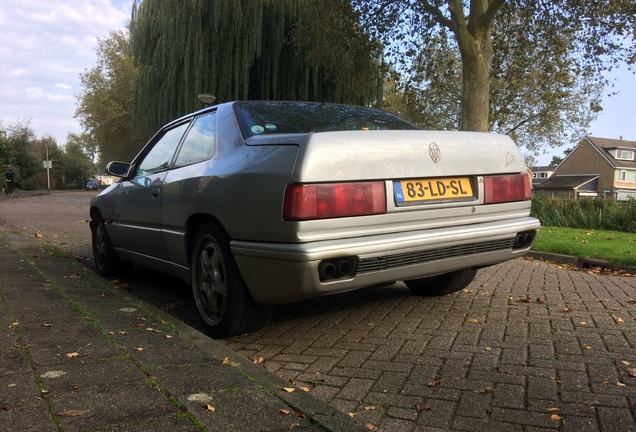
159, 157
199, 143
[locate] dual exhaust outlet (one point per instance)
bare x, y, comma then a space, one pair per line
524, 239
337, 268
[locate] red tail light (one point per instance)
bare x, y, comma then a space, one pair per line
507, 188
332, 200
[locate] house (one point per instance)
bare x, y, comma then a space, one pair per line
541, 173
595, 167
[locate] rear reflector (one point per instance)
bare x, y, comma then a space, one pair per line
332, 200
507, 188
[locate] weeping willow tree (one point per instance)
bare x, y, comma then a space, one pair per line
250, 49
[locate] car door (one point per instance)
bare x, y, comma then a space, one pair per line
138, 207
185, 184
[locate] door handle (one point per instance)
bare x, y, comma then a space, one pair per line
154, 192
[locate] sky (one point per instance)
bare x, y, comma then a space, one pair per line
46, 44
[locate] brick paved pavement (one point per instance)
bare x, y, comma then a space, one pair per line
528, 346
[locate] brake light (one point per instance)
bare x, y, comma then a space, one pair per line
507, 188
332, 200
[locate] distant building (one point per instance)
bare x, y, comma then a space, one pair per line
541, 173
595, 167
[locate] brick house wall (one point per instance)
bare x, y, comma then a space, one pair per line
585, 159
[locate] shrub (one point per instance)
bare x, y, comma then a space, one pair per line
586, 213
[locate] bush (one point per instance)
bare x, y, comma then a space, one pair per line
586, 213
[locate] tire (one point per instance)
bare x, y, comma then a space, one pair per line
223, 301
443, 284
107, 263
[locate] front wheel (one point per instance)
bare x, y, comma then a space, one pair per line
443, 284
223, 301
107, 263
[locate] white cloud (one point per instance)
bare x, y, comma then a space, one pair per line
44, 46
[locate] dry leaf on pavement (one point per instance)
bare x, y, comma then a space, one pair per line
422, 407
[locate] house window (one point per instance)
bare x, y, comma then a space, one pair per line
626, 176
625, 154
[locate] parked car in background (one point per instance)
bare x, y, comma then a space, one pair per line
91, 185
263, 203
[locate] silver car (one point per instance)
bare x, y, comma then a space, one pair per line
263, 203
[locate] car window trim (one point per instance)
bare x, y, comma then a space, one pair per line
193, 119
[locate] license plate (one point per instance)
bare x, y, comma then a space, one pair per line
433, 190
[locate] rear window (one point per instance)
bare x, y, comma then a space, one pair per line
268, 117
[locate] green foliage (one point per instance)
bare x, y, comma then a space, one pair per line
532, 69
15, 143
249, 49
586, 213
105, 106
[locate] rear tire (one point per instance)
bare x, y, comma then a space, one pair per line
443, 284
224, 303
107, 263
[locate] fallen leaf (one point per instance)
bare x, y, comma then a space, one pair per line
352, 415
259, 360
305, 389
139, 349
369, 407
473, 321
422, 407
6, 407
486, 390
289, 389
552, 409
73, 354
210, 408
587, 347
617, 319
625, 362
370, 427
631, 372
582, 323
436, 381
567, 309
620, 384
555, 417
47, 325
526, 300
285, 411
468, 291
229, 362
631, 302
38, 234
72, 413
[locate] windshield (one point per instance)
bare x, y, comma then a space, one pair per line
268, 117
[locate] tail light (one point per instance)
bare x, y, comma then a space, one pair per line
332, 200
507, 188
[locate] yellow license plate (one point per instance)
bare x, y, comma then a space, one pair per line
433, 190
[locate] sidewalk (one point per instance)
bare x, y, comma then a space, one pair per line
78, 354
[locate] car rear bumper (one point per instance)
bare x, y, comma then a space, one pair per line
278, 273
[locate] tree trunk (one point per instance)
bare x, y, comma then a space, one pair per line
476, 52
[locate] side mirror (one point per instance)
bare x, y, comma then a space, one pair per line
118, 169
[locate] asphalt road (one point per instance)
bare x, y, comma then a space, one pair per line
528, 346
